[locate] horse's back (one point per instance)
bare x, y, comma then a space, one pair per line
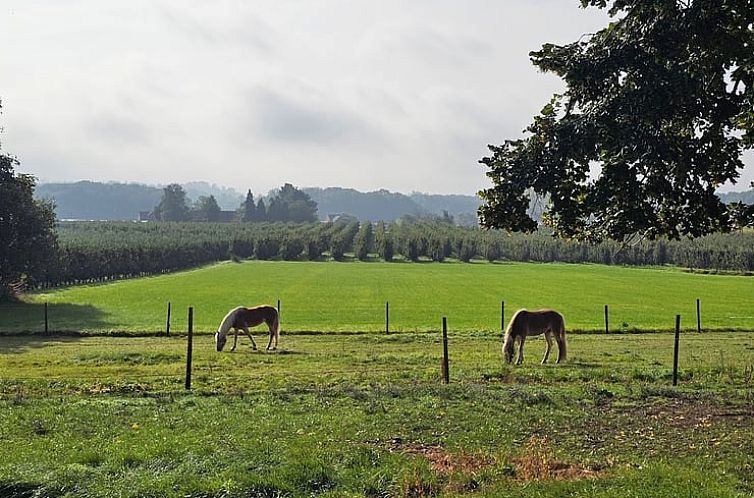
258, 314
537, 321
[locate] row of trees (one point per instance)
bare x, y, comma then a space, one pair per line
288, 204
92, 251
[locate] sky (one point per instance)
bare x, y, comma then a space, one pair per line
394, 94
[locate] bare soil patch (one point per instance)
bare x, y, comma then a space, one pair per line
441, 460
536, 463
686, 413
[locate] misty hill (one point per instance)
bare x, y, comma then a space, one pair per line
388, 206
747, 197
86, 200
378, 205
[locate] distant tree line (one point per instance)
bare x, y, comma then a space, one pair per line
288, 204
94, 251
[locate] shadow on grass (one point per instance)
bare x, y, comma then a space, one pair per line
18, 489
29, 318
16, 344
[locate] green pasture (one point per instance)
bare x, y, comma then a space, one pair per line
353, 415
351, 297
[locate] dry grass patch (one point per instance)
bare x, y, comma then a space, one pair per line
440, 460
538, 463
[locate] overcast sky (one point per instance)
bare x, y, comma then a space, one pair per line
402, 95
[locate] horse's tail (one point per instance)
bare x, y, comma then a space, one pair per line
276, 326
561, 340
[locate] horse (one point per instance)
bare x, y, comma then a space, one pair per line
243, 318
528, 323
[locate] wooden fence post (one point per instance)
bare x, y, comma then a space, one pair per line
445, 367
698, 317
502, 316
278, 309
189, 347
675, 349
47, 323
167, 322
607, 327
387, 317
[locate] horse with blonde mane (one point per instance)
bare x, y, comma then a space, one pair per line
526, 323
244, 318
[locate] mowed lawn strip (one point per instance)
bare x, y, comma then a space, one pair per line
351, 297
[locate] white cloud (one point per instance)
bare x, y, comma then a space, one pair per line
389, 94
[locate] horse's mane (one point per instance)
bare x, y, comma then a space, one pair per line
513, 322
227, 322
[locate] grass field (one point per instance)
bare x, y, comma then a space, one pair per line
366, 415
352, 296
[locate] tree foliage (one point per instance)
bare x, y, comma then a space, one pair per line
660, 104
291, 204
249, 209
173, 206
206, 209
27, 231
363, 243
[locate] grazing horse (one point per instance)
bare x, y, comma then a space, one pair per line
525, 323
243, 318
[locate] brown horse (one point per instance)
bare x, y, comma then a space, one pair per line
243, 318
526, 323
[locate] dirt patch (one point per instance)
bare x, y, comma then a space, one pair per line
441, 460
685, 413
538, 463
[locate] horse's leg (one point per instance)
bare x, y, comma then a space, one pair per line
253, 344
521, 350
561, 340
235, 339
548, 339
272, 334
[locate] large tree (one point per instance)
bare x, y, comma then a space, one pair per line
249, 209
292, 204
206, 209
657, 111
174, 205
27, 231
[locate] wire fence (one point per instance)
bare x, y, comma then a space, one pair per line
387, 317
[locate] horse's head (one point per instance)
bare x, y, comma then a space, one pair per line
508, 348
220, 340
